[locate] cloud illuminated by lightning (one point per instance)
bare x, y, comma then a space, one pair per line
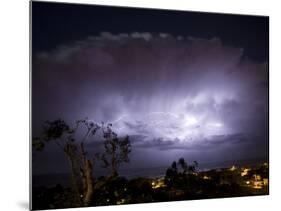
167, 125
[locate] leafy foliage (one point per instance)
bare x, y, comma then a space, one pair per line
37, 144
55, 129
81, 166
116, 150
179, 172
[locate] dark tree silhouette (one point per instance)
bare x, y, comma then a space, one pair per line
171, 174
80, 165
116, 150
179, 171
193, 168
183, 165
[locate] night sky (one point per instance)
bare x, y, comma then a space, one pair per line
180, 84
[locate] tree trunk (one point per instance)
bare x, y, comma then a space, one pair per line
114, 172
87, 177
74, 180
89, 182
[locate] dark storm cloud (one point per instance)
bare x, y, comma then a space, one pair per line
166, 92
155, 143
215, 141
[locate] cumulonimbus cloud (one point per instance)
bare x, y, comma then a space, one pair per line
200, 81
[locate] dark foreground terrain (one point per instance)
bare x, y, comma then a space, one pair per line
175, 185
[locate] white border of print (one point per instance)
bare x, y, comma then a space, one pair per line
14, 110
